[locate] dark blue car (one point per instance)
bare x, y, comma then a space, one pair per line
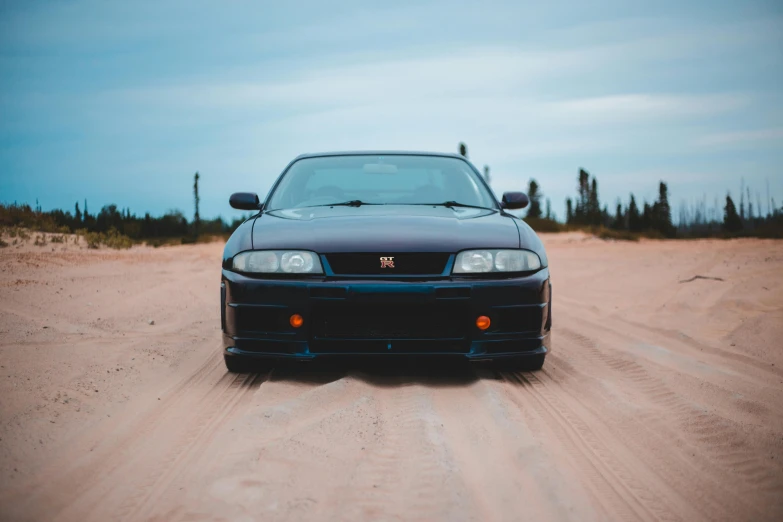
384, 253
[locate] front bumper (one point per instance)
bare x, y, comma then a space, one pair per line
386, 317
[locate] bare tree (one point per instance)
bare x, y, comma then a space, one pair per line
197, 200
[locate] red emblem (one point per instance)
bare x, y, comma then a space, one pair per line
387, 262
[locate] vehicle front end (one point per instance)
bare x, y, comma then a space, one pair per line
384, 254
360, 314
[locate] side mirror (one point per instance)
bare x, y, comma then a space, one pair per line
512, 200
244, 201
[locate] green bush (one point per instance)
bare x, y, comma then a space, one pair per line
616, 235
93, 239
21, 233
545, 225
112, 239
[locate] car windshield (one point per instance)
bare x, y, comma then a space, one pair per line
386, 180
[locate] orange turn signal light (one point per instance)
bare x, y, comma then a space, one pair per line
296, 320
482, 322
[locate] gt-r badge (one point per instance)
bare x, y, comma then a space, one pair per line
387, 262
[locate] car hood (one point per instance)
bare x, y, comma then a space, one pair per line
384, 228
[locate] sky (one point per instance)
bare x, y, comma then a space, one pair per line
122, 102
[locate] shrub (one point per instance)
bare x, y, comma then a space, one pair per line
616, 235
93, 239
545, 225
112, 239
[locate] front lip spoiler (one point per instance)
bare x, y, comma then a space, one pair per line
236, 352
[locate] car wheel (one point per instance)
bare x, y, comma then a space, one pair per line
522, 364
236, 364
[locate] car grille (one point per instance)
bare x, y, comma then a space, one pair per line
404, 264
389, 322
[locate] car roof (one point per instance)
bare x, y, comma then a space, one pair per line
380, 153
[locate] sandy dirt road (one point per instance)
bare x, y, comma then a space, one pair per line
663, 399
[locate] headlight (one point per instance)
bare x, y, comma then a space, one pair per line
278, 262
483, 261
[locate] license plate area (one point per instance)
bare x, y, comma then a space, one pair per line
390, 321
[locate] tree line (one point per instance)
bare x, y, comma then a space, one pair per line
584, 210
112, 219
172, 224
654, 218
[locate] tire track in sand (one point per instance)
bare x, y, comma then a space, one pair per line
273, 441
409, 462
487, 433
711, 433
71, 480
188, 448
620, 494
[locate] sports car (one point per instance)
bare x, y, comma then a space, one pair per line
384, 254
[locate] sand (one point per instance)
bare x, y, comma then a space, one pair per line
663, 399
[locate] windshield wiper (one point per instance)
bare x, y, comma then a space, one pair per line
351, 203
452, 204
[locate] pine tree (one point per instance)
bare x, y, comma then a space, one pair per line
731, 220
78, 213
594, 207
619, 219
569, 211
548, 209
663, 212
647, 217
634, 220
742, 199
580, 213
533, 193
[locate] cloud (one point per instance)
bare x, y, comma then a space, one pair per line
490, 87
165, 88
461, 72
636, 107
742, 138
